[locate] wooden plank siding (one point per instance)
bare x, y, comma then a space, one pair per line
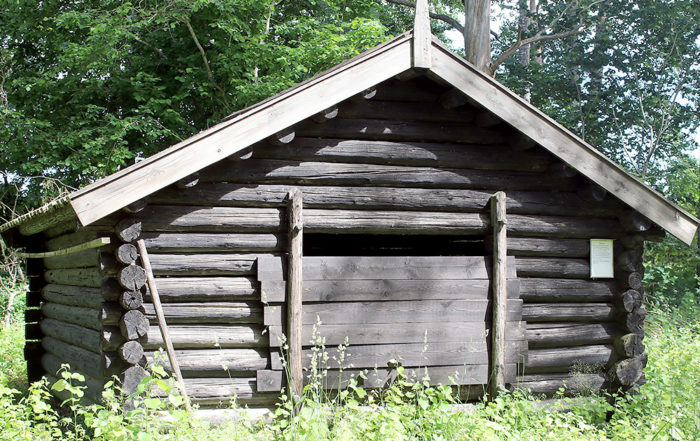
372, 171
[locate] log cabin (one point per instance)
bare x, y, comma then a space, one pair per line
403, 203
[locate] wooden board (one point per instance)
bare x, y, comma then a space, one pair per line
390, 334
398, 312
383, 268
273, 291
408, 355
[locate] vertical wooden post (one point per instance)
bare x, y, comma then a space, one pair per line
294, 291
422, 36
499, 299
161, 319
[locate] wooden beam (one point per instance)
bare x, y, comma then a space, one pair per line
102, 241
422, 36
294, 291
500, 294
326, 115
141, 244
283, 137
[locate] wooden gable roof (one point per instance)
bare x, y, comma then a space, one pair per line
411, 50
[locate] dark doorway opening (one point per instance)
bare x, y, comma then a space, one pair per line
390, 245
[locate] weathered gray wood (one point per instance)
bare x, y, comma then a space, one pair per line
204, 264
268, 380
261, 171
68, 226
126, 253
112, 338
188, 181
198, 219
562, 169
543, 247
283, 137
128, 229
132, 277
185, 289
592, 193
220, 391
627, 372
384, 268
95, 365
326, 115
408, 355
452, 99
136, 206
521, 142
629, 301
85, 234
294, 291
385, 290
568, 312
215, 362
162, 324
71, 257
552, 267
573, 384
367, 94
131, 299
632, 280
221, 242
634, 222
634, 322
421, 56
133, 325
131, 378
404, 111
544, 335
566, 290
499, 298
76, 335
564, 359
208, 337
629, 260
421, 154
107, 314
210, 312
486, 120
39, 223
420, 311
629, 345
437, 199
78, 295
87, 277
93, 386
131, 352
369, 334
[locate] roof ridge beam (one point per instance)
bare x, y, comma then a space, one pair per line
422, 36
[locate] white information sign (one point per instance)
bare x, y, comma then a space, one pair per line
602, 258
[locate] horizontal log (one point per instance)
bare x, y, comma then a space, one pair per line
552, 267
89, 277
37, 224
383, 268
132, 277
96, 365
126, 253
210, 219
82, 259
573, 384
220, 392
131, 378
407, 355
200, 313
90, 339
422, 199
410, 90
131, 352
133, 325
84, 234
634, 322
384, 377
566, 290
628, 372
563, 360
188, 289
399, 312
401, 130
214, 362
546, 335
385, 290
629, 260
541, 247
128, 229
79, 295
107, 314
272, 171
403, 111
629, 301
204, 264
93, 387
208, 337
221, 242
497, 157
370, 334
568, 312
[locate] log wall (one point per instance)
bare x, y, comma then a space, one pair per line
399, 163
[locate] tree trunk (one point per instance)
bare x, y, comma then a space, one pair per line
477, 32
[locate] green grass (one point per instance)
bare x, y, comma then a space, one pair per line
668, 407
